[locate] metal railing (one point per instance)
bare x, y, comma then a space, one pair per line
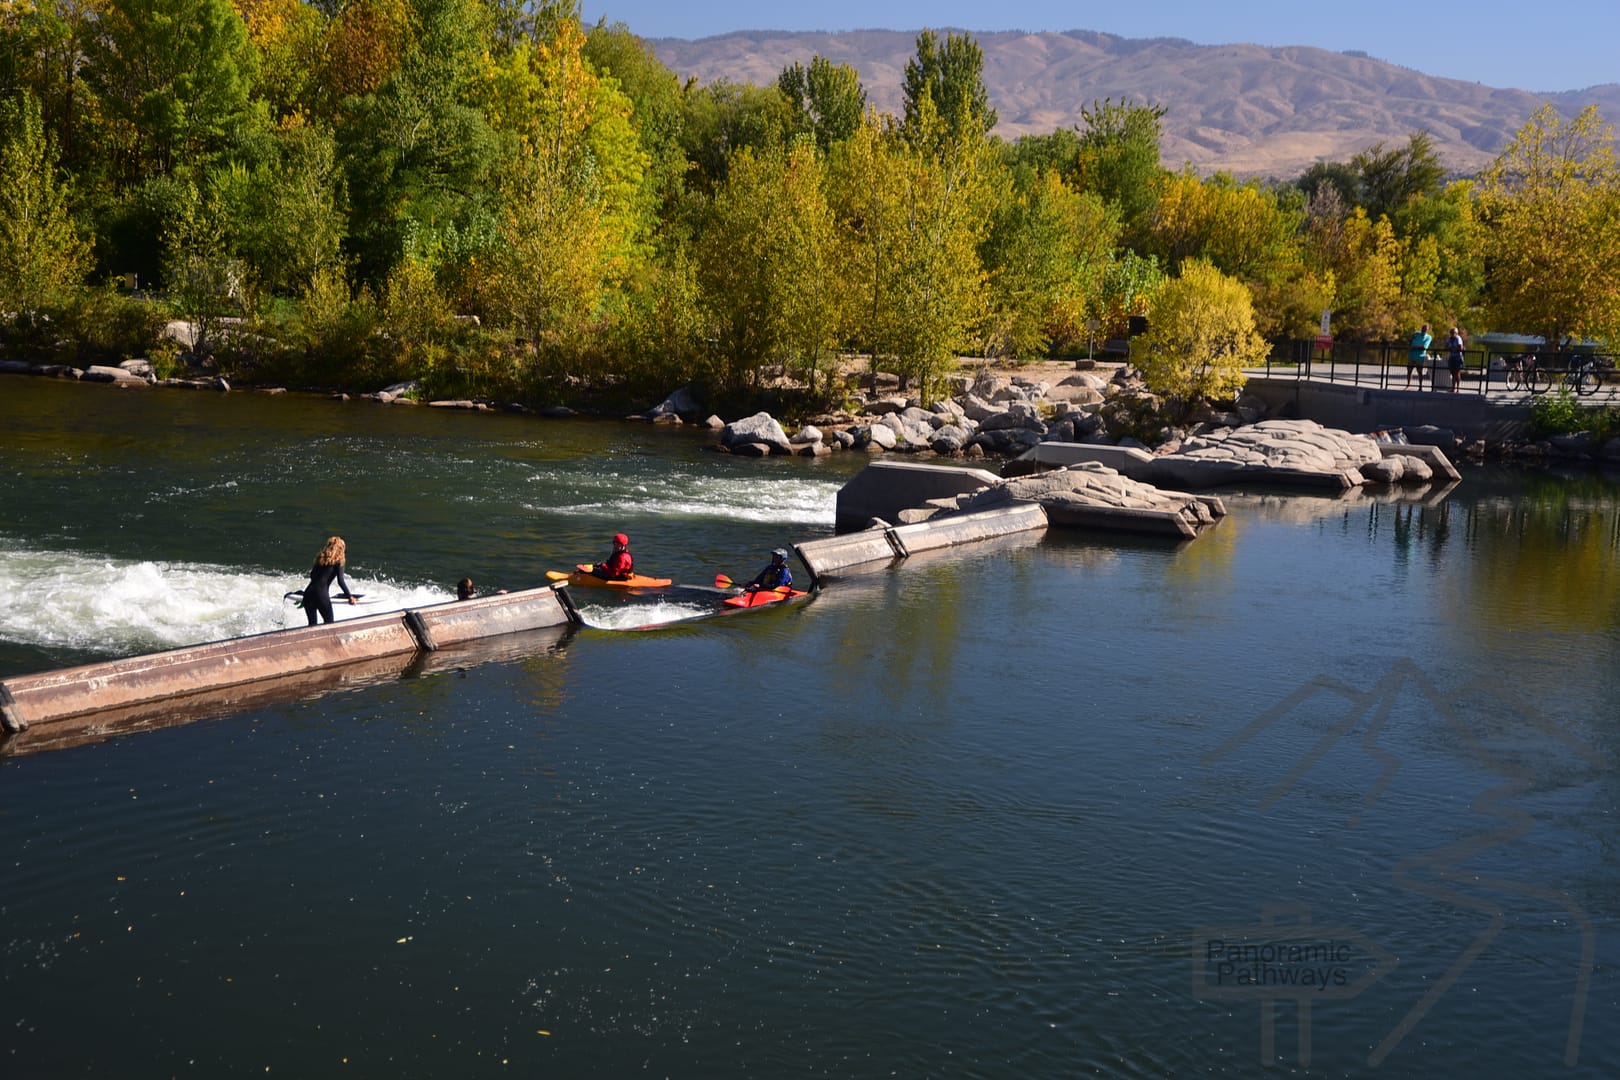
1384, 365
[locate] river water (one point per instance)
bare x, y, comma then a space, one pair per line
1330, 789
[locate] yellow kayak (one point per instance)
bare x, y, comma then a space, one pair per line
582, 576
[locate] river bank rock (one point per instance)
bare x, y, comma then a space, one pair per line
761, 429
1271, 449
1090, 495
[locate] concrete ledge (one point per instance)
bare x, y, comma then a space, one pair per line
487, 616
1123, 519
104, 724
111, 684
884, 488
1125, 460
828, 557
50, 697
950, 530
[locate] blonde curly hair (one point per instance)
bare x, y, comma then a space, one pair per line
332, 553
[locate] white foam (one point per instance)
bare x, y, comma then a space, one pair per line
794, 500
639, 616
121, 606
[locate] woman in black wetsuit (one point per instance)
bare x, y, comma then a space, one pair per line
317, 594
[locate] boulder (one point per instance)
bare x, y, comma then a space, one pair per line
682, 403
1094, 495
806, 434
1386, 471
103, 373
949, 439
1414, 470
760, 428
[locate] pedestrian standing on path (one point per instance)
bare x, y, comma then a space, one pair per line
1454, 357
1418, 355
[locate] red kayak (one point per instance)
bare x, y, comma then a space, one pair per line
761, 597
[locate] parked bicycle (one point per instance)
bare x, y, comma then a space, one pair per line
1525, 373
1583, 377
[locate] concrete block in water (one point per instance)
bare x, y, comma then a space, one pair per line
884, 488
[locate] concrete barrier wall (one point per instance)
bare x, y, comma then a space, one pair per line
1363, 409
52, 696
886, 487
873, 547
104, 724
486, 616
956, 529
827, 558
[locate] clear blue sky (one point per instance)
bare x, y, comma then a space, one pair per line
1529, 44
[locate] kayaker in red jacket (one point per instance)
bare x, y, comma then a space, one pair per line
619, 566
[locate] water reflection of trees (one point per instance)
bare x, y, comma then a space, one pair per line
1543, 555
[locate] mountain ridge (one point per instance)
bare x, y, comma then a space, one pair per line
1251, 110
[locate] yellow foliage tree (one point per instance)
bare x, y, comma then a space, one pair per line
1200, 335
1550, 205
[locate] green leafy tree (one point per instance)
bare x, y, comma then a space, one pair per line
204, 279
724, 117
285, 214
911, 222
764, 264
1046, 255
418, 152
42, 258
826, 98
1119, 159
657, 109
1336, 176
1200, 336
1389, 178
173, 79
950, 76
1550, 210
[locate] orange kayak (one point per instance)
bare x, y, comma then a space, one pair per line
582, 576
761, 597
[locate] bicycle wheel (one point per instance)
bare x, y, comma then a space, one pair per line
1538, 380
1516, 379
1587, 382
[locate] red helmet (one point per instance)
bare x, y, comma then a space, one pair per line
621, 539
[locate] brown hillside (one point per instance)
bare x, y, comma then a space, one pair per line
1247, 109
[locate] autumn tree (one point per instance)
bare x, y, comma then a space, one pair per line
764, 265
42, 257
1200, 335
1242, 228
1549, 206
569, 190
1046, 255
912, 215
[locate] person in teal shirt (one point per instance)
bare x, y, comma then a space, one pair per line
1417, 357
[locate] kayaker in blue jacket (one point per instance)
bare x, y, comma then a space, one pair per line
776, 575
